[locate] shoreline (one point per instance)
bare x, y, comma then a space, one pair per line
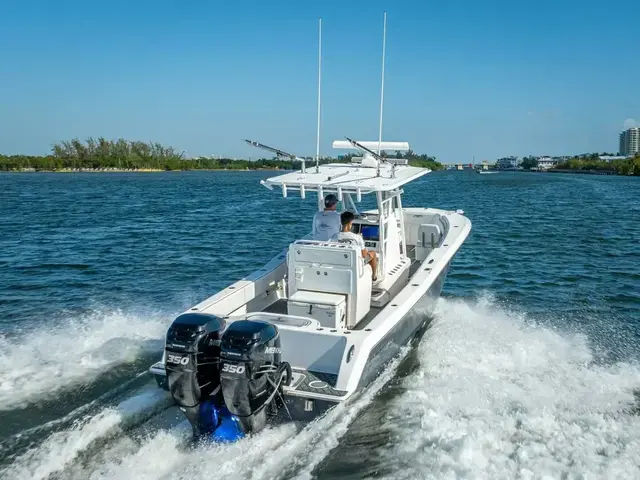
584, 172
566, 170
158, 170
142, 170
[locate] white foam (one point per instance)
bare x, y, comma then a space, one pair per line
164, 456
39, 363
153, 460
313, 444
62, 448
269, 454
498, 397
495, 396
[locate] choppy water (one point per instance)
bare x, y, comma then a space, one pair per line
530, 368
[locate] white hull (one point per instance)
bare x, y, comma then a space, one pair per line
332, 365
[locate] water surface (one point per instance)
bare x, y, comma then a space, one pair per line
530, 366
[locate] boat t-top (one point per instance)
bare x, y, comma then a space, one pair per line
310, 329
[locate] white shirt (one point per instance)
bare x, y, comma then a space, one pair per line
349, 237
325, 224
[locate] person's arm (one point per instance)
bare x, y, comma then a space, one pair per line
365, 252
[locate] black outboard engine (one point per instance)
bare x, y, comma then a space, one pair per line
252, 372
192, 361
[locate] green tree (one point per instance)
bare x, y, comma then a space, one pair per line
529, 162
101, 153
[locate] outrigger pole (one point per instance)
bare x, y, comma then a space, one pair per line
279, 153
365, 149
319, 80
384, 44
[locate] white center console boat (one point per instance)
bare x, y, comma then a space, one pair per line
310, 329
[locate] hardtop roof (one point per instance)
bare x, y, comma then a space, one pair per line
349, 177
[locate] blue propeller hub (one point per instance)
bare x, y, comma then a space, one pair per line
222, 425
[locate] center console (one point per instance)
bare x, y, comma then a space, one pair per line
367, 226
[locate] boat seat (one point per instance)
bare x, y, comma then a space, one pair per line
395, 280
331, 267
429, 236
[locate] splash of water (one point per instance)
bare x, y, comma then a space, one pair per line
494, 396
60, 449
42, 362
273, 453
499, 397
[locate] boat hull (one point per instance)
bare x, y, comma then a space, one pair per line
410, 328
411, 325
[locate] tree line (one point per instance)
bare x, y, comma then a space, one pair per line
103, 154
592, 161
627, 166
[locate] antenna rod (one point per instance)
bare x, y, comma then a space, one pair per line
384, 43
319, 80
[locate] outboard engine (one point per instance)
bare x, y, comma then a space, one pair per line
252, 372
192, 357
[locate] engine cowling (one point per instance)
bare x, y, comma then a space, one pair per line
192, 356
251, 370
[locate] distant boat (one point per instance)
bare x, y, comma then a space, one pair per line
485, 172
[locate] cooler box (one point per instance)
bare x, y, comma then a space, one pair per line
328, 308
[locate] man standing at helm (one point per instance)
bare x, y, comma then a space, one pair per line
327, 223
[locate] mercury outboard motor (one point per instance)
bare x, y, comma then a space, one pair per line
192, 361
252, 372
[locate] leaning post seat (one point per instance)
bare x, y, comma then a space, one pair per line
333, 268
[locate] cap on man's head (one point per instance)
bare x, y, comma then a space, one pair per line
330, 200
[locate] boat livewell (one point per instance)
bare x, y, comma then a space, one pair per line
310, 329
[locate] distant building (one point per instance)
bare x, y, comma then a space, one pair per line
508, 163
545, 163
630, 141
611, 158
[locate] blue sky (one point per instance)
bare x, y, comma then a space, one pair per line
463, 79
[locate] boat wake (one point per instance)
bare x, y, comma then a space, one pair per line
44, 362
280, 452
98, 446
490, 395
66, 448
496, 396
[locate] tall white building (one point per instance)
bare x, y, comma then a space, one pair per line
630, 141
